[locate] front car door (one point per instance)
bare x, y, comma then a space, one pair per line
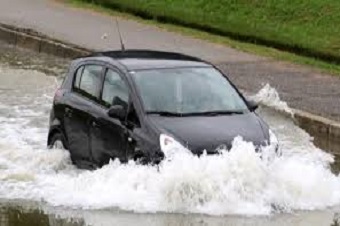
109, 135
85, 91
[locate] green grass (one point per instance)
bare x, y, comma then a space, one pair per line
243, 46
306, 27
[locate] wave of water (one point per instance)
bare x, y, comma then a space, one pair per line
268, 96
235, 182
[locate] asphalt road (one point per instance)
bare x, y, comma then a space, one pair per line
302, 87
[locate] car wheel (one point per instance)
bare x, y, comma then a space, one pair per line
58, 142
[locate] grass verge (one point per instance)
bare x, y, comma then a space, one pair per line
305, 27
243, 46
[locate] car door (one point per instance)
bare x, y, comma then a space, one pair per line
84, 93
108, 135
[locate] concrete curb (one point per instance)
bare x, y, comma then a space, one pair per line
30, 39
33, 40
315, 124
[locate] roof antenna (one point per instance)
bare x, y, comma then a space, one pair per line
120, 37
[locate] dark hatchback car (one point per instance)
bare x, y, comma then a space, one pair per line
138, 104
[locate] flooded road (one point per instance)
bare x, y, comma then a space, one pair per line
41, 187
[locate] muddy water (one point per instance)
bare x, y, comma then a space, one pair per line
26, 59
41, 187
26, 216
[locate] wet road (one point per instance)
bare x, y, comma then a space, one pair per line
41, 187
300, 86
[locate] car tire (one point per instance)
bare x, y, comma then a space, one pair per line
58, 142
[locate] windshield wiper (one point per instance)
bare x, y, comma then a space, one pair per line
215, 113
165, 113
205, 113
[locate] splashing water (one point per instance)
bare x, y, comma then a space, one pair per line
268, 96
235, 182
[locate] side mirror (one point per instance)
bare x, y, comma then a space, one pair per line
118, 112
252, 105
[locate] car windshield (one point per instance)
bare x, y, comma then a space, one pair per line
187, 91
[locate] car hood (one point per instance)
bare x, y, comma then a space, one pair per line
208, 133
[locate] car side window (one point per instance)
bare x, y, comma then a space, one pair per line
115, 91
88, 79
78, 76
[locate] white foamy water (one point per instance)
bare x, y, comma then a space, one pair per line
235, 182
268, 96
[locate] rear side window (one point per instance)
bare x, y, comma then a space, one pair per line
78, 76
115, 91
88, 79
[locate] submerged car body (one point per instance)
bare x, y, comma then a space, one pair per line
135, 104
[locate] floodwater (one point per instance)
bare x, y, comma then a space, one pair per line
40, 187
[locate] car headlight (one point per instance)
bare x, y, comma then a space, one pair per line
274, 142
170, 146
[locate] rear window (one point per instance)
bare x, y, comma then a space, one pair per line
87, 80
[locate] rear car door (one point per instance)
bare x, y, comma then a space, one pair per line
85, 91
108, 135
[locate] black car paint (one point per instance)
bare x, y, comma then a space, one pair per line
208, 133
93, 138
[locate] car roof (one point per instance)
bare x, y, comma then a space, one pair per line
151, 59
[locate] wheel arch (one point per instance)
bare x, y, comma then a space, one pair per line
54, 131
